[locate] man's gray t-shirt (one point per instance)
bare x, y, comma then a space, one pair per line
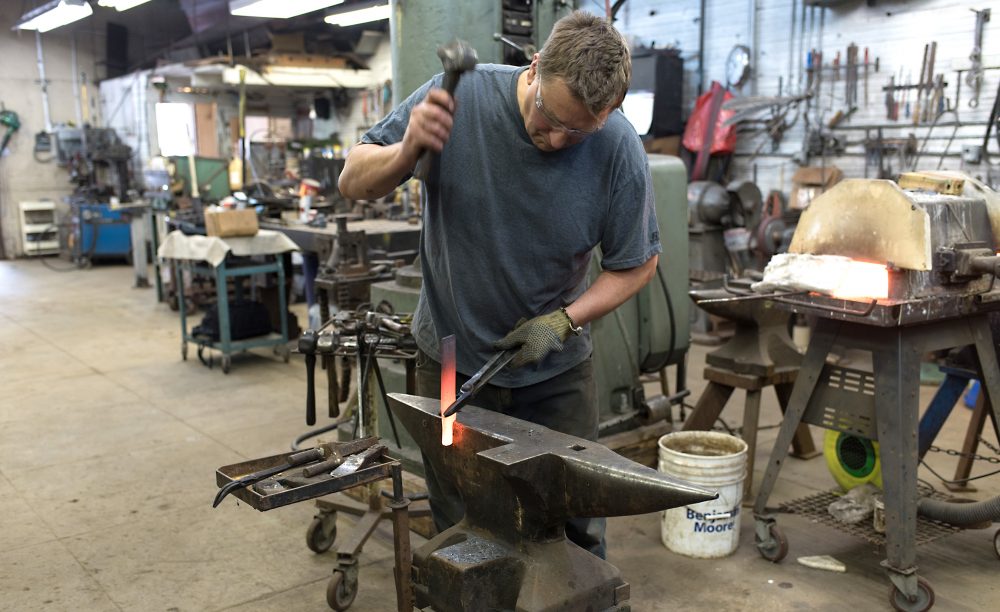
509, 229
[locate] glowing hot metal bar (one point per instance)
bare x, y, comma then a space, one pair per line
833, 275
863, 280
448, 367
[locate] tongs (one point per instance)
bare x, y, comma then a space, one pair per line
479, 380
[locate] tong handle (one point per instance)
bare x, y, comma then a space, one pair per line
479, 380
488, 371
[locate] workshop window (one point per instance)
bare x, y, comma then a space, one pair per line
175, 129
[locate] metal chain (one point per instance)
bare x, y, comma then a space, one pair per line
955, 453
989, 446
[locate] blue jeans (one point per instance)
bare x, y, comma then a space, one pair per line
566, 403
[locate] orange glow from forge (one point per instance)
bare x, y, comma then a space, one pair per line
863, 280
448, 360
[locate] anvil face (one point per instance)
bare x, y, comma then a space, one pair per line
761, 345
522, 481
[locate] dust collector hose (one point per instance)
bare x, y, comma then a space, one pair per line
960, 514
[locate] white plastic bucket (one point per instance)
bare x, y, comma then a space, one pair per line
715, 461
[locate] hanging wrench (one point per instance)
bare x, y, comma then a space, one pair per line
975, 76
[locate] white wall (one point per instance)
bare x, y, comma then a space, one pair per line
895, 31
352, 122
22, 178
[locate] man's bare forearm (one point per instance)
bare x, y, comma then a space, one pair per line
372, 171
611, 289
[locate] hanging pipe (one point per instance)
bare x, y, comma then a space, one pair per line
45, 83
78, 104
960, 514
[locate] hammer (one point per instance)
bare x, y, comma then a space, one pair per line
456, 57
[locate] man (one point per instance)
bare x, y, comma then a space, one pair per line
536, 168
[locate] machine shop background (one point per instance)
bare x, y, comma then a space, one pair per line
798, 412
780, 34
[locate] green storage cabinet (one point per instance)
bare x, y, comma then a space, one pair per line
213, 176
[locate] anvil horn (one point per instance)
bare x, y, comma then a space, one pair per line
508, 467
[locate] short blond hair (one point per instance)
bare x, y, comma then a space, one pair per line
592, 59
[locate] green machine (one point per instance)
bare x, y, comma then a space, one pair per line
642, 336
211, 173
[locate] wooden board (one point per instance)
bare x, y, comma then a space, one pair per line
305, 60
205, 115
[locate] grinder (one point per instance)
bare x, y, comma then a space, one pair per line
456, 57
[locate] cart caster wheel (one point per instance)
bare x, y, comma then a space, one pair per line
996, 543
226, 362
340, 591
322, 533
775, 548
184, 351
924, 600
286, 354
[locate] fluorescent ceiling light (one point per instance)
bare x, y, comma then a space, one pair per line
52, 15
290, 76
121, 5
277, 9
349, 18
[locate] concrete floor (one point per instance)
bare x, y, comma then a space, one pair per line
109, 443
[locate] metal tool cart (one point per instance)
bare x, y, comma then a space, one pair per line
258, 483
333, 467
362, 337
222, 259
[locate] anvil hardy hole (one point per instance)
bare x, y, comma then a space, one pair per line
578, 447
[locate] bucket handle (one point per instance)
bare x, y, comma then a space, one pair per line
718, 516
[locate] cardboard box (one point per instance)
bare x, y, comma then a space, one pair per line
227, 223
932, 181
809, 182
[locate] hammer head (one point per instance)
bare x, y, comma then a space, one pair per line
457, 56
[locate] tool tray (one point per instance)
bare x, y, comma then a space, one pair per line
321, 485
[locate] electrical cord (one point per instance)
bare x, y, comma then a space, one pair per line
37, 254
319, 431
958, 482
670, 312
95, 225
43, 160
927, 484
728, 429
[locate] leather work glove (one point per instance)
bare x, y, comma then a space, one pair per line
536, 337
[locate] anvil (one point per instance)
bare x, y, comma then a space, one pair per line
761, 345
520, 482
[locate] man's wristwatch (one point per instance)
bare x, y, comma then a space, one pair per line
573, 327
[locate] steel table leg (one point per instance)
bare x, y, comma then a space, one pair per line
803, 446
812, 366
401, 538
897, 398
222, 304
708, 408
940, 407
989, 369
751, 414
969, 446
